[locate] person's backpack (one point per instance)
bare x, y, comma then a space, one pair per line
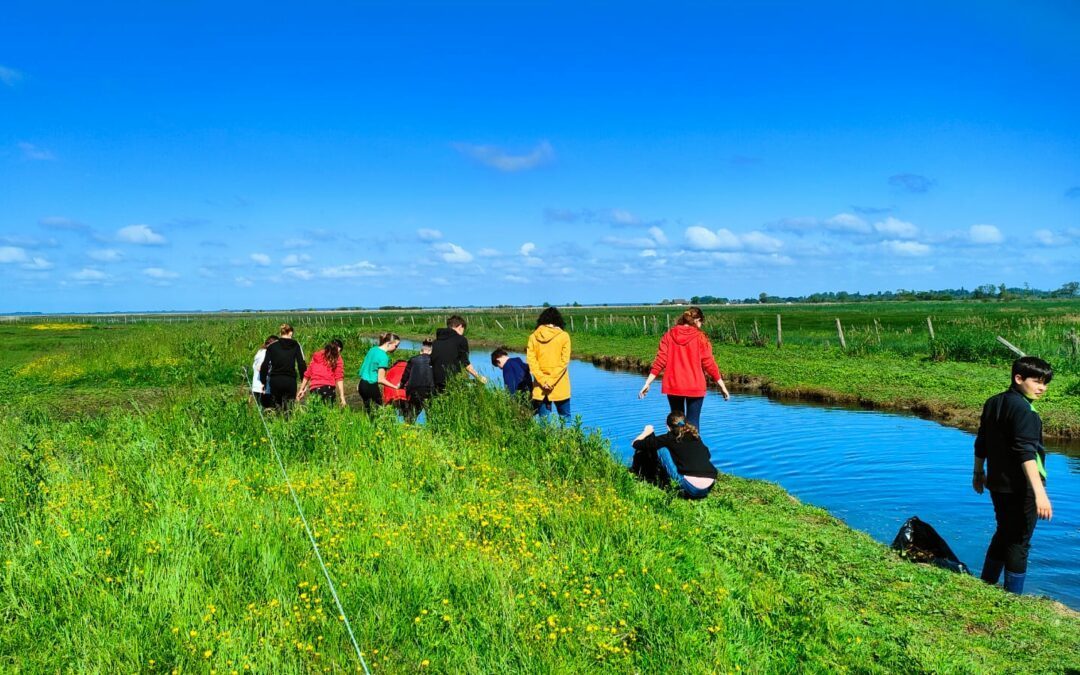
919, 542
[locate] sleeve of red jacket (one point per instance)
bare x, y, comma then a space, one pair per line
708, 363
660, 362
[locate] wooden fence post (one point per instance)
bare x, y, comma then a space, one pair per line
877, 329
1011, 346
735, 327
779, 333
644, 326
930, 325
571, 322
840, 332
498, 324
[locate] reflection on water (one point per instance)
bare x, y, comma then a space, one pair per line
871, 469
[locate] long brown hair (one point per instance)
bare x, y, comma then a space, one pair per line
681, 428
332, 352
691, 315
388, 337
285, 329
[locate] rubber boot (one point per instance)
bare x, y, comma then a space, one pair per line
1014, 582
991, 570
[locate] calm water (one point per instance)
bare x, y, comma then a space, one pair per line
873, 470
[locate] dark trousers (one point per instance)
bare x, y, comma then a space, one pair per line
327, 393
282, 392
688, 406
1016, 516
416, 402
370, 394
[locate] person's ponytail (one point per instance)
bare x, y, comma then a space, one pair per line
681, 428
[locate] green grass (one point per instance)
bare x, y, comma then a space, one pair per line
160, 536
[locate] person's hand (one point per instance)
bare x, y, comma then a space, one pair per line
483, 380
725, 394
978, 482
300, 396
647, 430
1043, 508
644, 391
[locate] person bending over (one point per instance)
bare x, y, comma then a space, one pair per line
373, 371
325, 374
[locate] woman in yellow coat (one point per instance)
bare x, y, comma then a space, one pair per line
548, 355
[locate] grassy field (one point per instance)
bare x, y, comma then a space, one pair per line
145, 527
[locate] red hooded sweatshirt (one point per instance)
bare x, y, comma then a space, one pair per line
685, 356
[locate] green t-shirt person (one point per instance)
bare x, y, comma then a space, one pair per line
375, 359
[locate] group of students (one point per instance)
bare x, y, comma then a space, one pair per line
1009, 454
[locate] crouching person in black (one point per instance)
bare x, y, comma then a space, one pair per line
678, 456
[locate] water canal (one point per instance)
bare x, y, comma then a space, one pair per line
871, 469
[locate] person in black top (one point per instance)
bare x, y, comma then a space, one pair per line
1010, 442
284, 362
450, 353
678, 455
418, 381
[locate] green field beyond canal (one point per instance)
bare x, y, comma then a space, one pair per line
146, 526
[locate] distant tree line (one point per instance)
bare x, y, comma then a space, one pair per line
984, 292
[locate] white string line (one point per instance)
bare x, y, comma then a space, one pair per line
311, 538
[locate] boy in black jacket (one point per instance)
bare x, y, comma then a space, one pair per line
450, 353
1010, 441
419, 381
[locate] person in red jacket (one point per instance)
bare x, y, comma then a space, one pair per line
325, 375
685, 358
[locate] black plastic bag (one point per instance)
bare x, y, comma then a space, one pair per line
918, 541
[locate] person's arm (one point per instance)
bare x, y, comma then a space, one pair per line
1042, 501
708, 364
385, 382
301, 366
658, 365
472, 371
534, 365
302, 391
647, 439
405, 374
463, 357
264, 369
978, 474
341, 392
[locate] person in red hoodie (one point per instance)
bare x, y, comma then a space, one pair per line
325, 374
685, 358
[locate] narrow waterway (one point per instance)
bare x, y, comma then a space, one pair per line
871, 469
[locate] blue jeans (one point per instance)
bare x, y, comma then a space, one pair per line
690, 406
689, 490
543, 408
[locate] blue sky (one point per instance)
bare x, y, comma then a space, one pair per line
203, 156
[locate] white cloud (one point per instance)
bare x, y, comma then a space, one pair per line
905, 248
761, 242
244, 282
89, 275
426, 234
1045, 238
105, 255
33, 152
648, 253
894, 227
297, 243
624, 217
139, 234
294, 260
488, 253
38, 264
12, 254
159, 273
705, 239
62, 223
516, 279
847, 222
10, 76
452, 253
527, 248
496, 158
360, 269
298, 273
207, 273
658, 236
631, 242
260, 259
985, 234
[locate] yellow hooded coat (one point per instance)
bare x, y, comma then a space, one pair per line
548, 355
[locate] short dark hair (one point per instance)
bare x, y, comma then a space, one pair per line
1034, 367
426, 344
550, 315
455, 321
498, 354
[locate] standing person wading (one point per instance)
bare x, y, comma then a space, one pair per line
685, 357
548, 355
284, 362
373, 371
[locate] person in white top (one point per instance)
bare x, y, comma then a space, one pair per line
260, 393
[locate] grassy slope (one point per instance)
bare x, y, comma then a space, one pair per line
481, 543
